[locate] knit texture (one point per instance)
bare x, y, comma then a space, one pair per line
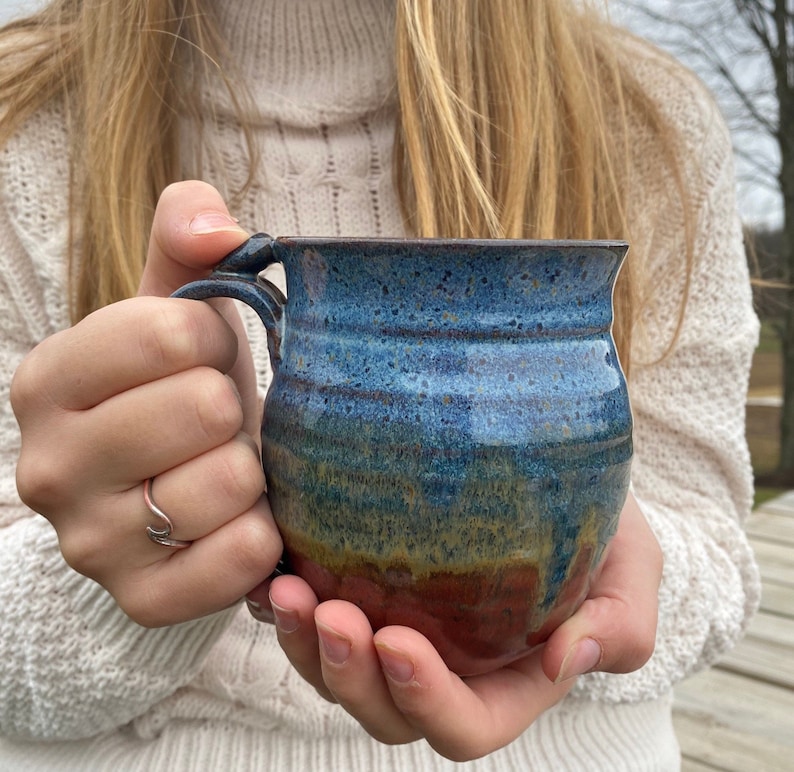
85, 688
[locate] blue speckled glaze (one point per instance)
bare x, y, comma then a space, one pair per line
447, 439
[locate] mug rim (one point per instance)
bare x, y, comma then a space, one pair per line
306, 241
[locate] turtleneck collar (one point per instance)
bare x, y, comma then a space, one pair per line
310, 62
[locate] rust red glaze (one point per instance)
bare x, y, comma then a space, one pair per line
478, 621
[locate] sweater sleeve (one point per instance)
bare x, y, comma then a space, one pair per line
691, 471
71, 663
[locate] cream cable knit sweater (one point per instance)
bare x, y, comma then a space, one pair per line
83, 688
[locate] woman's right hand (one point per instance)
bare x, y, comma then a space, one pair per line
153, 387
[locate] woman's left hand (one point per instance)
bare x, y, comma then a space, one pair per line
397, 686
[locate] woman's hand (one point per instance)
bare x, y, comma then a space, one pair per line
396, 685
153, 387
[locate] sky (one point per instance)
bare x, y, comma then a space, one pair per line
758, 204
10, 7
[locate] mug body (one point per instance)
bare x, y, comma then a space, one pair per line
447, 437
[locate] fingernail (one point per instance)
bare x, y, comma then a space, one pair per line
581, 658
287, 621
259, 612
395, 664
212, 222
336, 648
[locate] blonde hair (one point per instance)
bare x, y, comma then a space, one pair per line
514, 122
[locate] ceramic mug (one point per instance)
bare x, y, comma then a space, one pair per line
447, 437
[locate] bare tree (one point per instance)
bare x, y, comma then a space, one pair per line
744, 51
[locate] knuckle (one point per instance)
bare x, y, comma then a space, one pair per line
634, 647
259, 545
392, 736
240, 476
31, 384
24, 385
645, 645
145, 598
658, 562
468, 751
141, 607
84, 550
382, 728
171, 338
44, 481
328, 696
218, 412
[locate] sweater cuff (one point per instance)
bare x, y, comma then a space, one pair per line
72, 638
175, 652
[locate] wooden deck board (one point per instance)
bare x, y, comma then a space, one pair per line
764, 655
772, 526
739, 715
776, 561
752, 706
778, 599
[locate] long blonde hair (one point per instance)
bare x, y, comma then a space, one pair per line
514, 122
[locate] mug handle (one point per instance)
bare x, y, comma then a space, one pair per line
237, 277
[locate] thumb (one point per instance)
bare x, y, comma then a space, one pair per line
192, 231
615, 628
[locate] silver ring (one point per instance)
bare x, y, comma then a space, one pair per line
160, 535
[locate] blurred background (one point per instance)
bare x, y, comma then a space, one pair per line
744, 51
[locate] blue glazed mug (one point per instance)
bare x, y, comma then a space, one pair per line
447, 437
